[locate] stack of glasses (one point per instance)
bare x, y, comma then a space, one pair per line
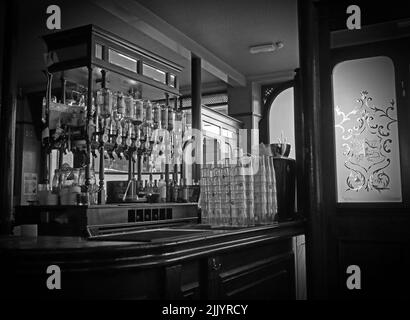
265, 191
239, 195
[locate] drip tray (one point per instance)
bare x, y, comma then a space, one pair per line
154, 235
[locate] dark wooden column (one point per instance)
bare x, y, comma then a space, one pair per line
89, 119
8, 117
311, 49
196, 106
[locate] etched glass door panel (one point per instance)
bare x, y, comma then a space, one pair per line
366, 131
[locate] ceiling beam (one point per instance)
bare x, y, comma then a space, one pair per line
144, 20
273, 77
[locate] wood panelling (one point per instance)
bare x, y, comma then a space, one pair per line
384, 272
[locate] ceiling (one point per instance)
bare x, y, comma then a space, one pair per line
226, 28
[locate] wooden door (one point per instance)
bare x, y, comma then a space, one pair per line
369, 224
357, 215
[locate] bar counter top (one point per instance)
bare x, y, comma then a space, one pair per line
212, 239
29, 257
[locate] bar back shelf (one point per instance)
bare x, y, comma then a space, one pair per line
95, 59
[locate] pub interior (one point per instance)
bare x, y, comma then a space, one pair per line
204, 150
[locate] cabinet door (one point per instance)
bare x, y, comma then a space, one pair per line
257, 273
182, 281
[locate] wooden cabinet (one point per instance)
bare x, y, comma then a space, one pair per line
258, 273
262, 273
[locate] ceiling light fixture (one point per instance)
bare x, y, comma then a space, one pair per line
269, 47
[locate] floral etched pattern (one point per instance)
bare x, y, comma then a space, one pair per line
366, 136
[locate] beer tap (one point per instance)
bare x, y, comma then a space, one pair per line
148, 138
114, 155
69, 139
128, 135
96, 141
122, 133
111, 154
137, 137
97, 132
113, 130
118, 138
125, 155
121, 154
132, 150
132, 135
134, 156
91, 129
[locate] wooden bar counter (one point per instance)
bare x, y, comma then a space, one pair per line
182, 262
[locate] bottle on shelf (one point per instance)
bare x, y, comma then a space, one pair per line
145, 188
156, 110
162, 188
155, 187
187, 124
120, 105
139, 188
170, 191
105, 102
150, 184
179, 116
148, 113
175, 191
139, 111
171, 119
129, 108
56, 182
183, 191
164, 117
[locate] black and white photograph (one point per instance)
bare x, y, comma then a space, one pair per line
203, 156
